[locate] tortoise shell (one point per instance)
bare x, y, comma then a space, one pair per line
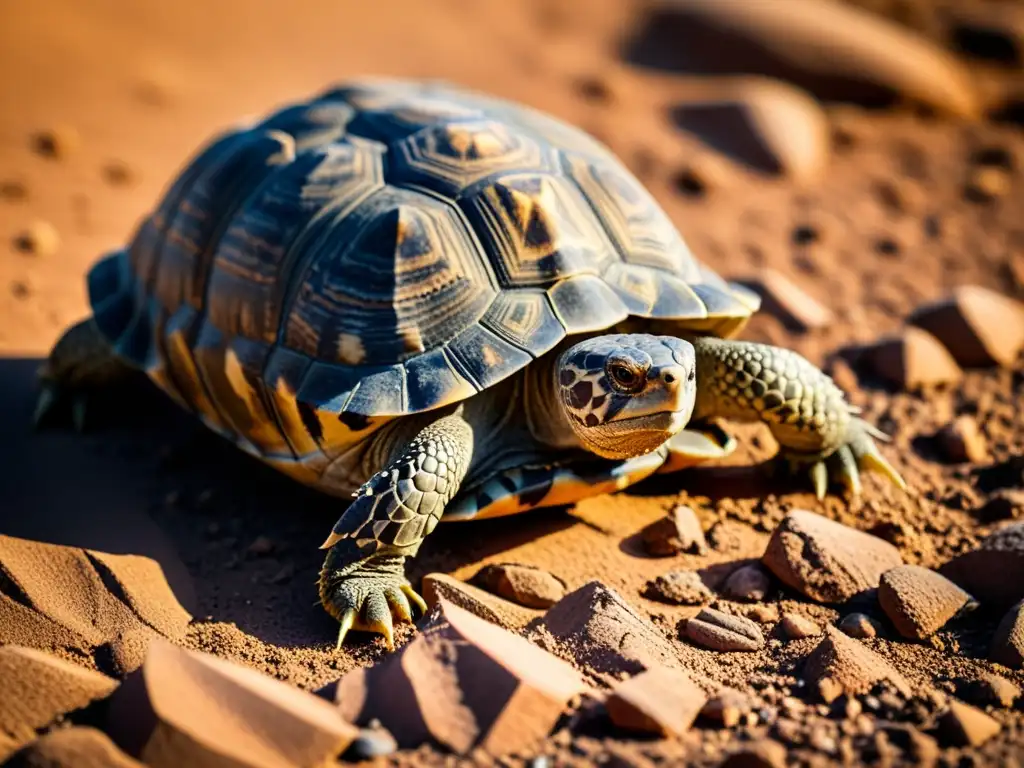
386, 248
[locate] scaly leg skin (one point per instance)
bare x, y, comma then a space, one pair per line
80, 363
806, 412
363, 583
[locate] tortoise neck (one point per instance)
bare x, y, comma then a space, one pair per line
542, 403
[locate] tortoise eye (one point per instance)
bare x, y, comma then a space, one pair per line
625, 378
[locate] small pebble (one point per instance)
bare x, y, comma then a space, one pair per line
965, 726
524, 584
117, 174
763, 614
13, 191
727, 707
371, 743
679, 531
57, 143
962, 441
722, 632
797, 627
1008, 644
749, 582
261, 545
986, 184
859, 625
765, 753
40, 238
679, 588
989, 690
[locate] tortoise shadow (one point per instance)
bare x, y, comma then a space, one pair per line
236, 539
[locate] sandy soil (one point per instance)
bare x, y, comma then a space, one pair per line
128, 90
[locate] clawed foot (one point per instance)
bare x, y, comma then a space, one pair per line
370, 598
54, 404
857, 454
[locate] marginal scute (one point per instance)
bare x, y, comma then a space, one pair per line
538, 229
178, 332
311, 124
432, 380
410, 279
283, 376
484, 358
720, 302
525, 318
586, 303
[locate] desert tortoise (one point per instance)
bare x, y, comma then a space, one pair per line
441, 304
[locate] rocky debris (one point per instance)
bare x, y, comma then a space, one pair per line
978, 326
75, 598
748, 582
987, 183
466, 683
523, 584
190, 708
764, 753
728, 707
75, 747
261, 546
965, 726
57, 143
860, 626
723, 632
1008, 643
919, 602
662, 701
769, 126
599, 630
679, 531
994, 572
783, 298
39, 238
852, 665
373, 741
825, 560
679, 588
797, 627
962, 441
37, 689
988, 690
919, 747
440, 586
869, 57
912, 359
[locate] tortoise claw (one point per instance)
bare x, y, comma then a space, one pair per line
45, 404
819, 477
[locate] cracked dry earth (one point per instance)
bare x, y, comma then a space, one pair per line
719, 616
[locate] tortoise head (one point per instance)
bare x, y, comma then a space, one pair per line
625, 395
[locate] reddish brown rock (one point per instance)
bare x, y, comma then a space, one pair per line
765, 753
39, 238
919, 602
37, 689
852, 665
597, 628
679, 531
965, 726
978, 326
994, 572
797, 627
722, 632
825, 560
522, 584
76, 747
679, 588
790, 303
140, 583
727, 707
440, 586
859, 625
662, 701
868, 56
988, 690
749, 582
912, 359
188, 708
769, 126
1008, 643
962, 441
466, 683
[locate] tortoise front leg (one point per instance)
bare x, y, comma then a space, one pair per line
806, 412
80, 363
363, 583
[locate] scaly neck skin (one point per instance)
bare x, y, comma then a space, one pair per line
542, 402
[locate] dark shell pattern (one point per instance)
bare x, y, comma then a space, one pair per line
382, 249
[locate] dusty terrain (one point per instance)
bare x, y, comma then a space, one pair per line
100, 103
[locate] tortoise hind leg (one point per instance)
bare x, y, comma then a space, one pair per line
80, 363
